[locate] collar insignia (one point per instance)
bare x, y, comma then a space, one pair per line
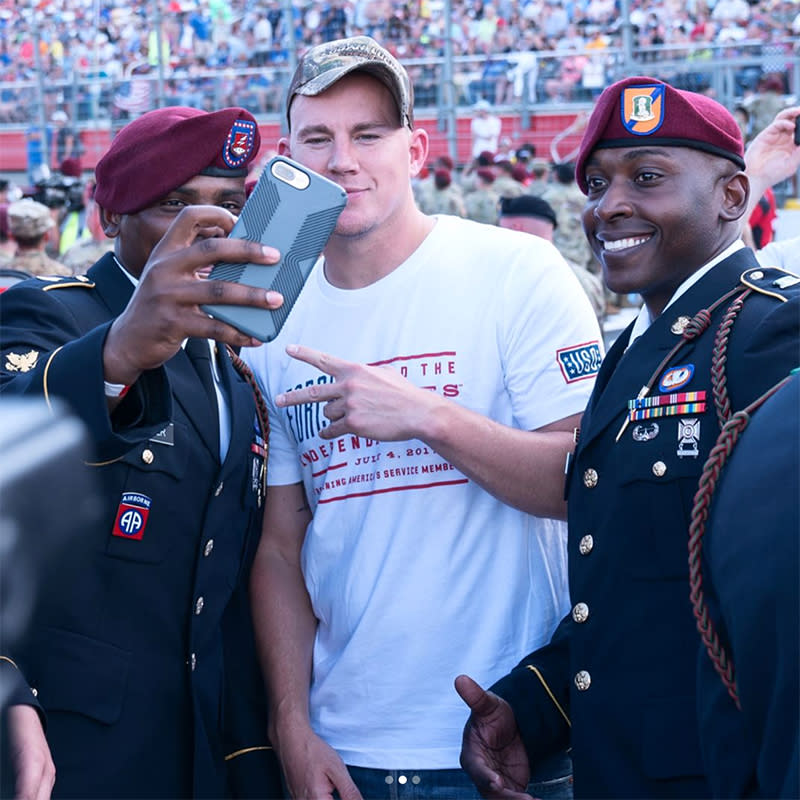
21, 362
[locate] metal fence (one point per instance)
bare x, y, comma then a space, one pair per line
518, 83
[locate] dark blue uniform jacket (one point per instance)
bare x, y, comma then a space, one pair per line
751, 581
142, 651
621, 667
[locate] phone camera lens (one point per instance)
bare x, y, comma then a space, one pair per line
284, 171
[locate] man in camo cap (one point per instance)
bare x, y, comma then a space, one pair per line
368, 583
29, 225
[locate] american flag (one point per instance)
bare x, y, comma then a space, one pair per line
134, 96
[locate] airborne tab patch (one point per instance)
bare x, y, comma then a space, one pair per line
579, 362
134, 508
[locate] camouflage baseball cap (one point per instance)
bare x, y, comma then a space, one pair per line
28, 219
321, 66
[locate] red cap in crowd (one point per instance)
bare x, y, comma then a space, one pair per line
442, 178
643, 111
165, 148
71, 167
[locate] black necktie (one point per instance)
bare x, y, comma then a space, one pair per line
200, 356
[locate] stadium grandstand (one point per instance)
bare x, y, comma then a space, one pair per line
72, 72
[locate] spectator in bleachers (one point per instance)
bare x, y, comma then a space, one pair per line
484, 129
530, 49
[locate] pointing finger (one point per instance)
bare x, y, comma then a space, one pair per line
316, 358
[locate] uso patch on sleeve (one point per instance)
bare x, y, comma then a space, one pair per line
579, 362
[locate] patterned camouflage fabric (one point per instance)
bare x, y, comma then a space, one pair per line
84, 253
481, 205
37, 262
568, 202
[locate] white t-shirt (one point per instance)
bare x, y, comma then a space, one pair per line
415, 573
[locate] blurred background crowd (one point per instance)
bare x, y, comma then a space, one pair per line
114, 59
506, 86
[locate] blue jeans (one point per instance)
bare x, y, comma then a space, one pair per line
552, 781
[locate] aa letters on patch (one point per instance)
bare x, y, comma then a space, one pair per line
579, 362
132, 516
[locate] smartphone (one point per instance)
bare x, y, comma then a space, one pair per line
293, 209
797, 130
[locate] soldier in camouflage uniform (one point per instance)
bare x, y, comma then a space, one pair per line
78, 258
567, 200
446, 197
505, 185
539, 170
481, 202
29, 224
536, 216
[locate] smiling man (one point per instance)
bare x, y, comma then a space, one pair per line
663, 173
417, 459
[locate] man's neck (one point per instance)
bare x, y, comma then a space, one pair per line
353, 262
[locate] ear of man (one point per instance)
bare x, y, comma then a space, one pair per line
736, 195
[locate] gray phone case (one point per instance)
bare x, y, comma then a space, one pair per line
296, 216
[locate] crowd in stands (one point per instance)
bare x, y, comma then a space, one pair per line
222, 52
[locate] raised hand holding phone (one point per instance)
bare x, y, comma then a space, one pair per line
293, 209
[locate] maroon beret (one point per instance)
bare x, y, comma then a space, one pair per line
519, 173
442, 178
446, 162
646, 111
163, 149
71, 167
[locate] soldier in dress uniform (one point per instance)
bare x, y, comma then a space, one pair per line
666, 193
746, 574
141, 651
29, 224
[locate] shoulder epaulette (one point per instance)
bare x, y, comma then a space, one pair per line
771, 281
65, 282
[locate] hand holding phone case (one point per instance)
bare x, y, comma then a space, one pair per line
294, 210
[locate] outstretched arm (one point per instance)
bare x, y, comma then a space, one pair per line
522, 468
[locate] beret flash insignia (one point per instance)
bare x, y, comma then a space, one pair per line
239, 143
